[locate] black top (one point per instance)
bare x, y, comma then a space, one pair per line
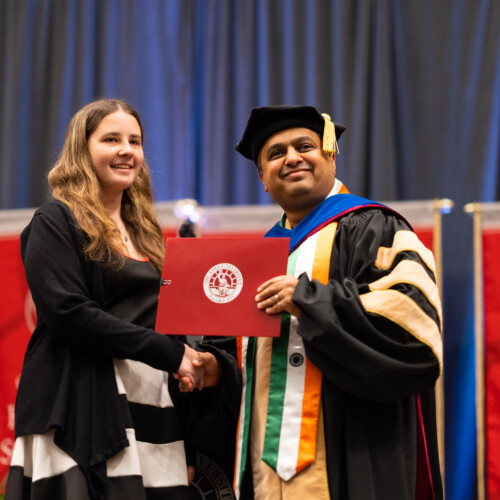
133, 292
68, 381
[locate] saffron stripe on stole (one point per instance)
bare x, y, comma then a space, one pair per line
343, 190
277, 384
312, 392
321, 265
291, 425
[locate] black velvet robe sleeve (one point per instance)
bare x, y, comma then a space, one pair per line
363, 353
374, 332
210, 416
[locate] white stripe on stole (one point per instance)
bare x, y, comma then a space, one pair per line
241, 423
295, 381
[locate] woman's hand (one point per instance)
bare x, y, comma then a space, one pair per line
192, 376
207, 365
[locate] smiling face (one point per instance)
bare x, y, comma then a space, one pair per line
115, 148
295, 170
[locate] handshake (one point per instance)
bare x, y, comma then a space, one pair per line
201, 369
197, 370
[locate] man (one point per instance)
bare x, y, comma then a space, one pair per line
341, 405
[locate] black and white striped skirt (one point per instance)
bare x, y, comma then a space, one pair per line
152, 467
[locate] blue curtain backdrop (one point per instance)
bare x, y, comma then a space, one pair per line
416, 82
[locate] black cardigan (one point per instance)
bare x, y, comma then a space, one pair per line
68, 381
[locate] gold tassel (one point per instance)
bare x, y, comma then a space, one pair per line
330, 144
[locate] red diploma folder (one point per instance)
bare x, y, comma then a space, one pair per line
209, 286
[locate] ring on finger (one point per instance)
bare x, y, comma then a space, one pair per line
277, 298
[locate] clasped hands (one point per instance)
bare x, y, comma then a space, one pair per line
197, 370
201, 369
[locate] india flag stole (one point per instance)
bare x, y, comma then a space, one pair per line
295, 383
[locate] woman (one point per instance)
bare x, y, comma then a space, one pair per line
94, 415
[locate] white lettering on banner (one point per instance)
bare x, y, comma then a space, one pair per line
6, 448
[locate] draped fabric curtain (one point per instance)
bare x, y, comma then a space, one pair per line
417, 83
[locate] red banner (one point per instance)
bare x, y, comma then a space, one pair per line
17, 319
491, 279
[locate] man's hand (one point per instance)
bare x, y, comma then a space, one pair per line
192, 376
191, 473
206, 364
275, 296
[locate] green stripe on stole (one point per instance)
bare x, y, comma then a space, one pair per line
283, 457
277, 382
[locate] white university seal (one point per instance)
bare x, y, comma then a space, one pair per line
223, 283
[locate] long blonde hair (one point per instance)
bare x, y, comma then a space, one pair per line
74, 182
